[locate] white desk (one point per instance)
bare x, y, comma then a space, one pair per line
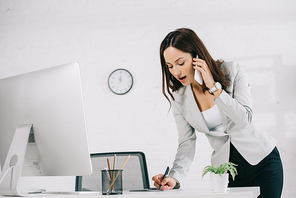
246, 192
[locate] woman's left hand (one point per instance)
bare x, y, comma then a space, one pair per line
206, 74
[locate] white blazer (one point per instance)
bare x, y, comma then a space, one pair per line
251, 141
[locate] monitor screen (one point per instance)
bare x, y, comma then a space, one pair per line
50, 100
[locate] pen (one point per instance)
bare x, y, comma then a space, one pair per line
165, 175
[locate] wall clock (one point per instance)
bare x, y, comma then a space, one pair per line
120, 81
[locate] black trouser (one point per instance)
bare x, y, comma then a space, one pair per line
268, 174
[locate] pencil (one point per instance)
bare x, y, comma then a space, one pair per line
108, 162
118, 172
114, 164
109, 167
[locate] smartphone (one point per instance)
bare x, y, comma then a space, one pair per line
197, 75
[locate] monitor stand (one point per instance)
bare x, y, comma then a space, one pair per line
13, 164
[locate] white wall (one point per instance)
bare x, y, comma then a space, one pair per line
104, 35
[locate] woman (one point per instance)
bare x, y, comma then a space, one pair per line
221, 108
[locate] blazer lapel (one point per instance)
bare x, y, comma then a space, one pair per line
191, 112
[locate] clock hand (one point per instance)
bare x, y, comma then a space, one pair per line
118, 84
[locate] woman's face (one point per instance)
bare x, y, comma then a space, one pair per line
180, 65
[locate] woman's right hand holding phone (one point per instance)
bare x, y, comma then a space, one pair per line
206, 75
197, 74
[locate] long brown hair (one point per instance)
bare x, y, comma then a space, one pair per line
186, 40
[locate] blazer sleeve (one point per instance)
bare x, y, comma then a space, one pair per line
237, 105
186, 145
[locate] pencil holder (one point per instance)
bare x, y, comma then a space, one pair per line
111, 182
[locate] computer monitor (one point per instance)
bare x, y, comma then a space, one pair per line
42, 126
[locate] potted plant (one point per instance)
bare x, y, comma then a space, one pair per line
219, 175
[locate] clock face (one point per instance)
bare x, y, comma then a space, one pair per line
120, 81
